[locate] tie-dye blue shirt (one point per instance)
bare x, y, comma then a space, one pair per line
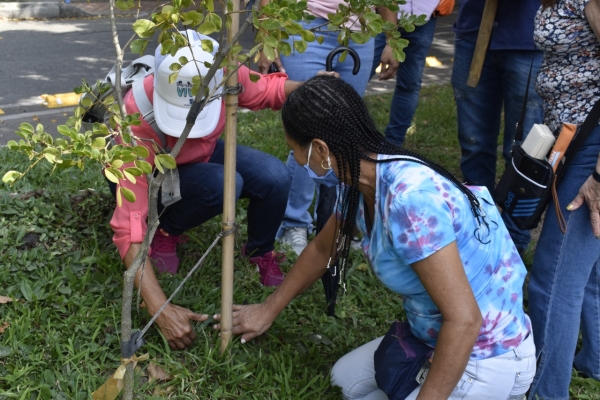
418, 212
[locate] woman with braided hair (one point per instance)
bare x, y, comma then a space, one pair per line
438, 243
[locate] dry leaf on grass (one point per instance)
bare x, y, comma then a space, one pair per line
4, 326
4, 300
157, 373
109, 391
163, 392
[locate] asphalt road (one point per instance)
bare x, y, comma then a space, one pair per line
53, 56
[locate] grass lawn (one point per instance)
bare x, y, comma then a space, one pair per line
59, 336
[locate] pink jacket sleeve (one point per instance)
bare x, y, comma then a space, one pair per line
129, 220
267, 92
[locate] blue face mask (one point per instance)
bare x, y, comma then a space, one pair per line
329, 179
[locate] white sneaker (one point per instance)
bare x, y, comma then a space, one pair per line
295, 237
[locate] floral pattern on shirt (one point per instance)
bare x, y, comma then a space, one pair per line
568, 79
418, 212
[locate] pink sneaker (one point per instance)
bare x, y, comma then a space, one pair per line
164, 252
268, 267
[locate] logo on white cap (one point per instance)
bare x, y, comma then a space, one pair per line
172, 101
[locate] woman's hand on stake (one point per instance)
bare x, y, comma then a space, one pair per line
249, 321
174, 323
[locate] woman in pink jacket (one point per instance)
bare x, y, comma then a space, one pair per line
260, 177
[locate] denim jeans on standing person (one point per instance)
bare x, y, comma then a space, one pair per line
260, 177
564, 287
301, 67
408, 78
479, 110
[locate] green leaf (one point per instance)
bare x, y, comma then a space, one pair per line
271, 41
300, 46
119, 199
127, 158
167, 161
175, 67
375, 27
337, 19
285, 48
308, 36
236, 49
26, 290
79, 111
86, 102
5, 351
207, 45
26, 128
192, 18
50, 157
65, 290
399, 55
134, 171
138, 46
12, 144
217, 21
270, 24
370, 16
210, 5
145, 166
141, 151
117, 163
110, 176
144, 28
158, 165
173, 77
130, 177
123, 5
99, 143
254, 77
320, 39
269, 52
207, 27
11, 176
357, 37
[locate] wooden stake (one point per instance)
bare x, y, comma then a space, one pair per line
231, 103
483, 39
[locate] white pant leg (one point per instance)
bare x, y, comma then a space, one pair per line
504, 377
355, 373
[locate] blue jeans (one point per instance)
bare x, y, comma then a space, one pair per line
408, 78
301, 67
564, 287
479, 111
260, 177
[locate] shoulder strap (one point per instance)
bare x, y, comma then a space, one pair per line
146, 109
519, 131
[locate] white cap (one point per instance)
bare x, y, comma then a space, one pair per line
172, 102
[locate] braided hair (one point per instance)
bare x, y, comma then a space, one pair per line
329, 109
